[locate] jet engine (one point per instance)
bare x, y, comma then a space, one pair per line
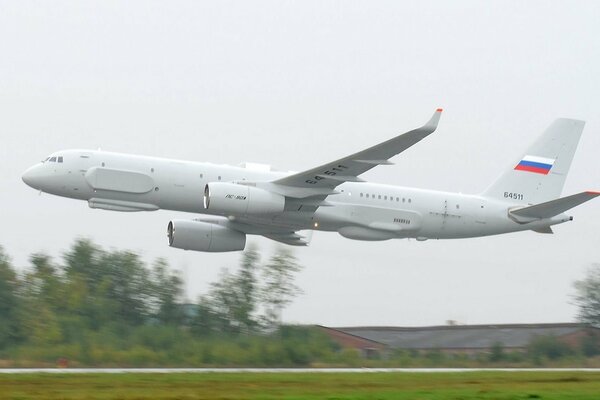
233, 199
204, 236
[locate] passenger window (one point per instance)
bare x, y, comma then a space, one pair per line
60, 159
52, 159
385, 197
361, 195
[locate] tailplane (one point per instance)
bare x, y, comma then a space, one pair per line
551, 208
540, 173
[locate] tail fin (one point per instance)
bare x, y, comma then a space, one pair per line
539, 174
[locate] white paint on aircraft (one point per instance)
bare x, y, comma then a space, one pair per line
233, 202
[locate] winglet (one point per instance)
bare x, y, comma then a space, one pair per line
434, 120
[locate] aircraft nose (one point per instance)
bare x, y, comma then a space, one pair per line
32, 176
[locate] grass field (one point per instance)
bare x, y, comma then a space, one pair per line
393, 385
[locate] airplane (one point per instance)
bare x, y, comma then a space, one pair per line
233, 202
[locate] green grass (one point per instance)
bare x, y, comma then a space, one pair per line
394, 385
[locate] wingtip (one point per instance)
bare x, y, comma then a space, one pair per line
439, 110
593, 192
435, 119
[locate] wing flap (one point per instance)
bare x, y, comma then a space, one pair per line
546, 229
290, 238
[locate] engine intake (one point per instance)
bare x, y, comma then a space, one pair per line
204, 236
233, 199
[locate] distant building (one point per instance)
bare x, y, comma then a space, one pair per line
366, 347
454, 338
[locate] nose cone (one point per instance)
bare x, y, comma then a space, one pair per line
32, 177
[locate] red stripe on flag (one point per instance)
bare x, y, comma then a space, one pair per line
528, 168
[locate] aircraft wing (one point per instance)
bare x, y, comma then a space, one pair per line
323, 179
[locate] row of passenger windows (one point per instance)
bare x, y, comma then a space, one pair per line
54, 159
384, 197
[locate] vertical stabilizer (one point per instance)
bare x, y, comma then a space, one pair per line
539, 174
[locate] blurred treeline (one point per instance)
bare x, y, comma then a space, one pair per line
96, 307
108, 308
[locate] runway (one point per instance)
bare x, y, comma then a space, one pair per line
279, 370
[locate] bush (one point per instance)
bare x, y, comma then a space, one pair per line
435, 356
590, 345
497, 352
547, 347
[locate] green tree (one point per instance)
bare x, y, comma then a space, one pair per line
9, 302
124, 280
83, 277
40, 300
206, 321
167, 291
587, 297
279, 289
83, 260
232, 299
107, 286
225, 301
46, 281
246, 285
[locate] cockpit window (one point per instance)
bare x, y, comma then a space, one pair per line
47, 158
60, 159
52, 159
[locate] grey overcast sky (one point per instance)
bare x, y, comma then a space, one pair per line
295, 84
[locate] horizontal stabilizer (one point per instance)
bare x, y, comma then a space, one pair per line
553, 207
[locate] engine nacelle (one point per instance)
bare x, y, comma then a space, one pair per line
204, 236
230, 198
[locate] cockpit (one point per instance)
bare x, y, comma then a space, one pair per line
58, 159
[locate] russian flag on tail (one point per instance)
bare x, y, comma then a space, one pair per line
539, 165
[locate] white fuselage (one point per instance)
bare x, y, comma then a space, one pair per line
366, 211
